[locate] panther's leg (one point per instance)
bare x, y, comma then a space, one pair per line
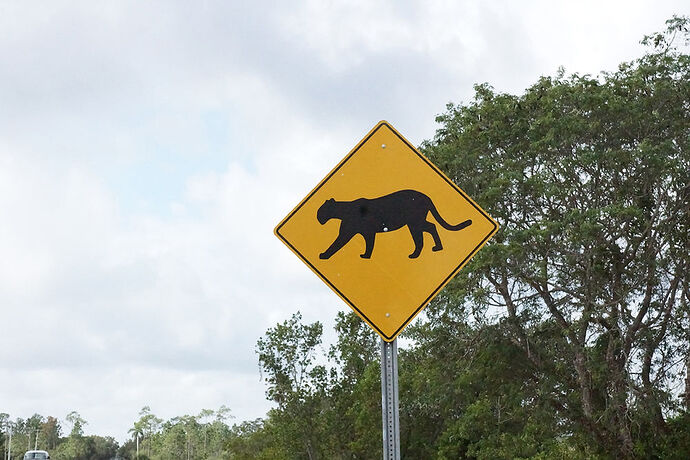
340, 241
369, 240
431, 229
418, 238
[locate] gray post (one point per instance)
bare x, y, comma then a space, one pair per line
389, 400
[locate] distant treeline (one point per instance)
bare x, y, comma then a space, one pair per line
46, 433
203, 436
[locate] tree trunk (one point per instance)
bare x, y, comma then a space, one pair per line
687, 382
583, 380
309, 451
619, 393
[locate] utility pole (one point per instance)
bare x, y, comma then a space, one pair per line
9, 446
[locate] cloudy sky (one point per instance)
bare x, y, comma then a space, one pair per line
147, 150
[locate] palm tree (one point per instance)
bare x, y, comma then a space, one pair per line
136, 431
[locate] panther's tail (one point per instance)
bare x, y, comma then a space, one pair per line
445, 224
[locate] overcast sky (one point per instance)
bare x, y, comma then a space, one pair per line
148, 149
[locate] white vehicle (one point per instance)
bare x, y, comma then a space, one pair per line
37, 455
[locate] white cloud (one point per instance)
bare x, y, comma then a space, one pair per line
147, 150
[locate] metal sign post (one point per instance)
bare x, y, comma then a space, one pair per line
389, 400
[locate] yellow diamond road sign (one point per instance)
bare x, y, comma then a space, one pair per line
386, 230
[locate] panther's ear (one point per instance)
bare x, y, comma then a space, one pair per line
331, 200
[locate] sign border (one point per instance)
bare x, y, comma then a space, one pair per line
378, 126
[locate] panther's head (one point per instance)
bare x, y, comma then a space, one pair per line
325, 212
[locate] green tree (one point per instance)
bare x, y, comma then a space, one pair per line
50, 433
186, 437
468, 392
76, 447
287, 357
354, 391
588, 177
179, 439
6, 426
101, 448
149, 425
137, 432
255, 440
77, 423
216, 433
32, 429
213, 432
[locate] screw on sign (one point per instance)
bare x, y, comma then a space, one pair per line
386, 230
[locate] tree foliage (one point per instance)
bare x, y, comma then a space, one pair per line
590, 180
45, 433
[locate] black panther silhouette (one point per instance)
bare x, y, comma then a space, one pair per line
384, 214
